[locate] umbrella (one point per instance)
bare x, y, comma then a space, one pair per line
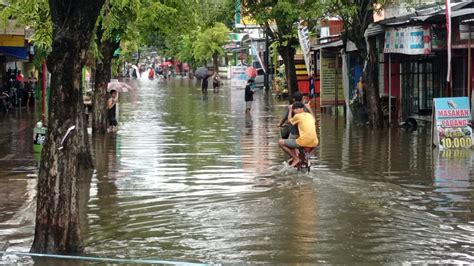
201, 73
251, 72
118, 86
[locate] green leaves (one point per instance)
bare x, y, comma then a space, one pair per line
31, 14
210, 42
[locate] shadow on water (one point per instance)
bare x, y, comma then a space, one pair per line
191, 177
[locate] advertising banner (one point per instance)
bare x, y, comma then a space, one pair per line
238, 77
331, 80
451, 123
409, 40
303, 35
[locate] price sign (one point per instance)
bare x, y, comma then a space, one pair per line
451, 123
39, 136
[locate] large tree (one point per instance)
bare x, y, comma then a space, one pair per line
279, 19
116, 22
209, 44
66, 157
174, 26
357, 16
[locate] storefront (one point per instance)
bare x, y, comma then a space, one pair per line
415, 71
421, 80
328, 74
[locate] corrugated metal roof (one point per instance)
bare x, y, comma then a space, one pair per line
338, 43
462, 12
375, 29
430, 13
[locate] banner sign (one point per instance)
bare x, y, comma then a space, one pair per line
451, 123
330, 79
303, 35
409, 40
238, 77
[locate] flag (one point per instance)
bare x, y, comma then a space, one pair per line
303, 36
448, 37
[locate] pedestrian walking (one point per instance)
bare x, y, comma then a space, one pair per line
112, 111
216, 82
204, 84
249, 96
151, 73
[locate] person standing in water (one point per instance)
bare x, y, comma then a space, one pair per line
112, 111
249, 96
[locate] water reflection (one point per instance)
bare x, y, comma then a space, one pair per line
452, 179
191, 177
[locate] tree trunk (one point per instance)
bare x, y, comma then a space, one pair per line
372, 97
57, 229
103, 73
215, 59
288, 55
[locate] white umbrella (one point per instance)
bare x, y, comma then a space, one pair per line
118, 86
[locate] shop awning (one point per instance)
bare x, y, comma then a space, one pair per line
116, 53
338, 43
15, 52
375, 29
238, 37
432, 13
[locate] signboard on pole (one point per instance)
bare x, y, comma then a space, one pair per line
330, 79
238, 77
451, 123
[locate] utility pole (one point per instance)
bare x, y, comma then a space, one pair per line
266, 77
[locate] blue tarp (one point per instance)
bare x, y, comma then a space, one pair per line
16, 52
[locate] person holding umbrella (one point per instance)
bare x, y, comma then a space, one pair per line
112, 111
204, 84
249, 96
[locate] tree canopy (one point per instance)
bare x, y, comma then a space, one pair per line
279, 19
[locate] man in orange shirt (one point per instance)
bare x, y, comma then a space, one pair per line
307, 138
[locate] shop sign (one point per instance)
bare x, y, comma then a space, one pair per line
12, 40
409, 40
451, 123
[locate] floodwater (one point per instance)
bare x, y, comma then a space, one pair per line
189, 177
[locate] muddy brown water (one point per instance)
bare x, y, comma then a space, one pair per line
190, 177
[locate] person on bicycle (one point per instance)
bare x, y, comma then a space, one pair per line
288, 130
307, 138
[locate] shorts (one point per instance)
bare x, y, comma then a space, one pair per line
291, 143
248, 104
113, 122
292, 136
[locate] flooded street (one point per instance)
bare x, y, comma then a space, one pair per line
190, 177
